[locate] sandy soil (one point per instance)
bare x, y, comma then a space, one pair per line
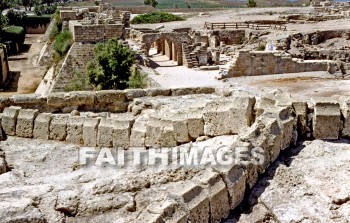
27, 74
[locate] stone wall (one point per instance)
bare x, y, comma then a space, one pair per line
4, 67
163, 118
96, 33
75, 62
253, 63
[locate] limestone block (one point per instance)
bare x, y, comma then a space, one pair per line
345, 110
158, 92
195, 199
9, 120
56, 100
80, 99
111, 100
90, 127
25, 122
262, 104
75, 129
301, 111
159, 133
179, 126
58, 127
195, 123
131, 94
326, 119
29, 101
217, 194
42, 126
235, 180
105, 132
228, 116
121, 134
138, 131
114, 132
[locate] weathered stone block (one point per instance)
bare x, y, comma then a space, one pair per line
217, 194
75, 129
29, 101
42, 126
228, 116
326, 119
58, 127
159, 133
196, 200
138, 131
9, 120
121, 134
105, 132
345, 110
114, 132
25, 122
235, 180
195, 123
90, 127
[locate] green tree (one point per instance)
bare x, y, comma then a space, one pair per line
5, 4
28, 4
152, 3
111, 67
251, 3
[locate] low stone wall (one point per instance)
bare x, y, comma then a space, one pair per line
343, 55
172, 117
253, 63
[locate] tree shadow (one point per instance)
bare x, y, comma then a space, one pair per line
12, 81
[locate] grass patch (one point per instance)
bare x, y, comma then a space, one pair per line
13, 33
156, 17
63, 42
138, 79
79, 83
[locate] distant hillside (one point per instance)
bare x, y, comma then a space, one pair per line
169, 4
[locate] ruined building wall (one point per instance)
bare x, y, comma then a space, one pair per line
75, 62
95, 33
254, 63
4, 67
270, 124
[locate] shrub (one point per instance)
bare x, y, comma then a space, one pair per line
156, 17
152, 3
36, 21
63, 42
57, 26
13, 33
261, 47
251, 3
45, 10
16, 18
137, 79
111, 67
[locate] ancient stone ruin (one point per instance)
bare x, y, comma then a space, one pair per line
265, 141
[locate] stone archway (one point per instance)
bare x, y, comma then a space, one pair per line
169, 44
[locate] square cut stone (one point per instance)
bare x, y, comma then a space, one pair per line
58, 127
90, 127
25, 122
42, 126
9, 120
75, 129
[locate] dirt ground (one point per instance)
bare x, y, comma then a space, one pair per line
27, 75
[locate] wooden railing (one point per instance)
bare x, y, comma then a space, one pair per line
239, 25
